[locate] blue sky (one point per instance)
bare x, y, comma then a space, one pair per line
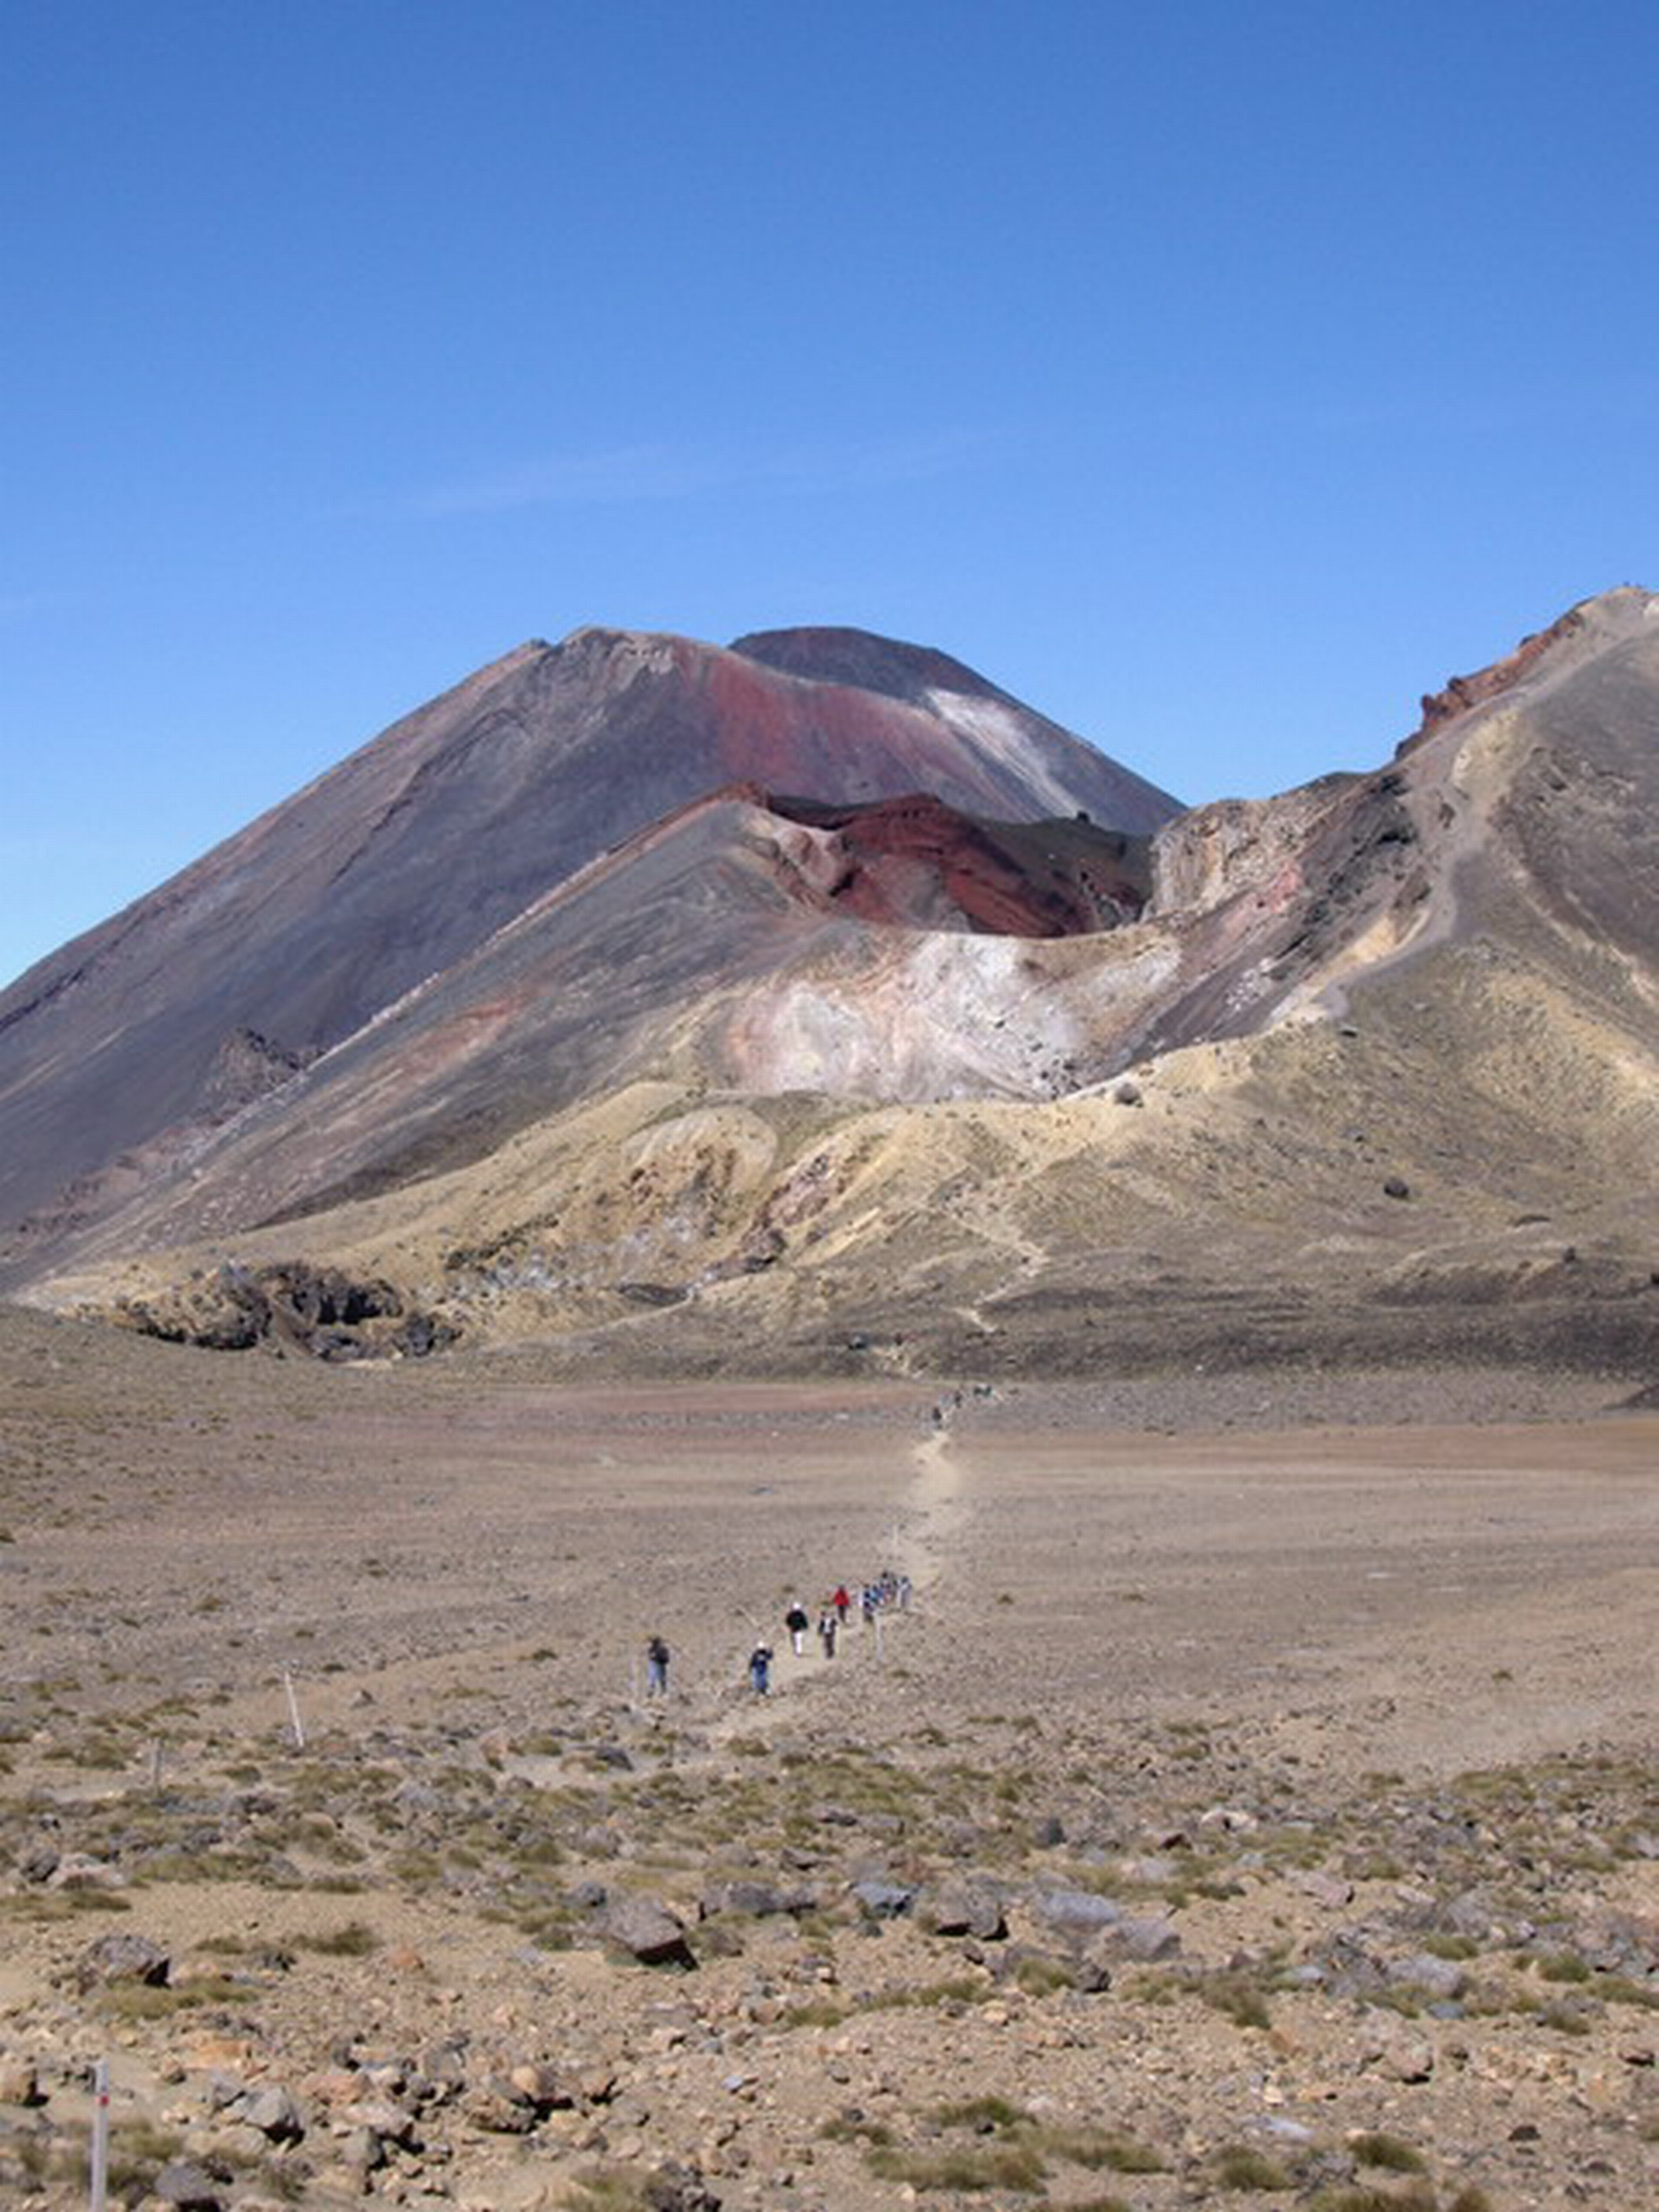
1217, 379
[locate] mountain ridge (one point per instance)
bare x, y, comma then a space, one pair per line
1373, 1063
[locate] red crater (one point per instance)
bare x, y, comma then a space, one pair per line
917, 862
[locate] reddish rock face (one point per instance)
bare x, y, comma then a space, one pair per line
1462, 692
916, 861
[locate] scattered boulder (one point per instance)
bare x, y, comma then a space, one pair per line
20, 2083
123, 1958
646, 1930
964, 1909
885, 1900
675, 2188
76, 1870
190, 2188
1144, 1937
38, 1862
541, 2085
1435, 1976
1327, 1889
1077, 1912
758, 1900
273, 2112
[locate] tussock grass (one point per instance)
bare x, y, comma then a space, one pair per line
1388, 2152
1241, 2166
355, 1941
1008, 2165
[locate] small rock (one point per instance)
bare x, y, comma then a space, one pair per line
1403, 2057
390, 2122
273, 2112
758, 1900
363, 2151
1327, 1889
886, 1900
76, 1870
1146, 1937
1437, 1978
494, 2107
541, 2085
1079, 1910
1234, 1819
672, 2187
187, 2186
20, 2084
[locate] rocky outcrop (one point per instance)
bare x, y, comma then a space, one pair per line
320, 1311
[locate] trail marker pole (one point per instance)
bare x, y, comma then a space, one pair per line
100, 2135
155, 1764
293, 1712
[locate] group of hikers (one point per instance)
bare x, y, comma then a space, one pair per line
889, 1591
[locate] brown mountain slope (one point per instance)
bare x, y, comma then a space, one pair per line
1376, 1075
412, 853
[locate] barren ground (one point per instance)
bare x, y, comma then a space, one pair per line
1235, 1812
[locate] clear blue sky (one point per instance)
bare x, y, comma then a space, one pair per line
1216, 378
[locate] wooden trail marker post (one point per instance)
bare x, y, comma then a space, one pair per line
294, 1713
100, 2135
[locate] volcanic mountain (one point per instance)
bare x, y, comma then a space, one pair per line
788, 1076
289, 938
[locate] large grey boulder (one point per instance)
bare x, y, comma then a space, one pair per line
964, 1908
123, 1958
644, 1929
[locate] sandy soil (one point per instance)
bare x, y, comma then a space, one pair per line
1295, 1698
